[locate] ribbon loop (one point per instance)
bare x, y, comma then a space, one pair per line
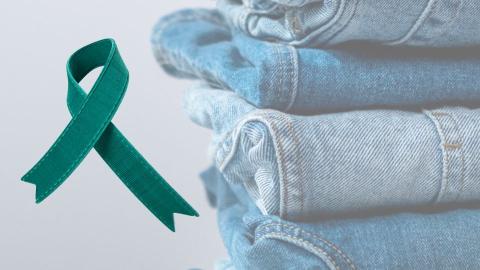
91, 126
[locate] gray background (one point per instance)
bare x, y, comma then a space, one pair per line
92, 221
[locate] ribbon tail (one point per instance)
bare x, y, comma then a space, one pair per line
165, 213
188, 211
141, 178
42, 188
25, 179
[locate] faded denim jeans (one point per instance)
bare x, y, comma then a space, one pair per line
314, 23
309, 167
447, 240
199, 44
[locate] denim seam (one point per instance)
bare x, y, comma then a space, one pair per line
317, 237
298, 165
277, 52
304, 244
457, 146
462, 158
418, 23
293, 75
444, 180
341, 27
282, 76
444, 25
287, 183
446, 148
284, 181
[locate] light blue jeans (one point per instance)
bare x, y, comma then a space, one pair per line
314, 23
198, 44
309, 167
427, 240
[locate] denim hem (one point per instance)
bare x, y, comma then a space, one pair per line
289, 170
451, 144
325, 250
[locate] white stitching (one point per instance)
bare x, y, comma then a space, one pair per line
292, 53
286, 237
315, 236
418, 23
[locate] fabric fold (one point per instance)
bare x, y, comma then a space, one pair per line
317, 23
446, 239
199, 44
313, 167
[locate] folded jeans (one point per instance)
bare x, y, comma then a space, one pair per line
309, 167
314, 23
199, 44
429, 240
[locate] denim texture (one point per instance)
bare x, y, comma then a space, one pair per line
411, 240
309, 167
198, 44
314, 23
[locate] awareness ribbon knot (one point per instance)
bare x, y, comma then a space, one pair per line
91, 126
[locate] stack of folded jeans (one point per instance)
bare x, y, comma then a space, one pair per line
333, 146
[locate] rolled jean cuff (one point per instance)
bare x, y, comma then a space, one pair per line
412, 240
312, 167
432, 23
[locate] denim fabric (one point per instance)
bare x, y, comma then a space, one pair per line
427, 240
308, 167
313, 23
198, 44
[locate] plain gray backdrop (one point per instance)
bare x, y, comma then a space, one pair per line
92, 221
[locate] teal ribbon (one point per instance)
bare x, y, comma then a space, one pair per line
91, 126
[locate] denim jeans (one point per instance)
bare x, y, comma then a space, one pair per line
199, 44
313, 23
428, 240
309, 167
